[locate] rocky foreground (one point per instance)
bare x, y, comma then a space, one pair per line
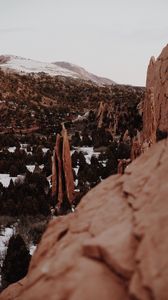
115, 244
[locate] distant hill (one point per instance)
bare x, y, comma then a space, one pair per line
23, 65
31, 100
83, 74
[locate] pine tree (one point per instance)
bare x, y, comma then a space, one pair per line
16, 262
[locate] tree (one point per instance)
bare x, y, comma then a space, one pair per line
16, 262
13, 171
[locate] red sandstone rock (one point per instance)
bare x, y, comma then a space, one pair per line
62, 167
114, 246
105, 110
155, 111
13, 290
120, 166
54, 175
58, 152
100, 114
135, 149
67, 165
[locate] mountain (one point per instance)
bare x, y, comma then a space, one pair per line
83, 74
23, 65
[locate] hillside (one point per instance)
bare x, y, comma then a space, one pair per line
22, 65
83, 74
32, 97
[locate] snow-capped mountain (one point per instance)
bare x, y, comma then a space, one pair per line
23, 65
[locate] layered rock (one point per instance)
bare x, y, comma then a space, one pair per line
115, 244
155, 110
62, 176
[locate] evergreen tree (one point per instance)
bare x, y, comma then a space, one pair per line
16, 262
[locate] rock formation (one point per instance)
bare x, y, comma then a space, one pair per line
155, 110
62, 176
136, 148
114, 246
100, 114
67, 166
105, 116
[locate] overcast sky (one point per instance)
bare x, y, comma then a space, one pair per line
111, 38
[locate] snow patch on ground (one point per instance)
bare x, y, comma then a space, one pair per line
24, 147
49, 178
76, 170
5, 235
32, 167
45, 150
87, 151
32, 249
11, 149
76, 182
81, 117
5, 179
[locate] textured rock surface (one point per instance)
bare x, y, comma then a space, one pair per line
114, 246
155, 111
13, 290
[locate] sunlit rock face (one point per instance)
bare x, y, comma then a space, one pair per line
155, 111
114, 246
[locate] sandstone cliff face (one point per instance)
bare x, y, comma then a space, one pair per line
114, 246
155, 111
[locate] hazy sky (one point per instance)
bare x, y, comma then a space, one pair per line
112, 38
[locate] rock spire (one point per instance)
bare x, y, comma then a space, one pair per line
62, 176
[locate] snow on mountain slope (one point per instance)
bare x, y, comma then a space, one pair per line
83, 74
22, 65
